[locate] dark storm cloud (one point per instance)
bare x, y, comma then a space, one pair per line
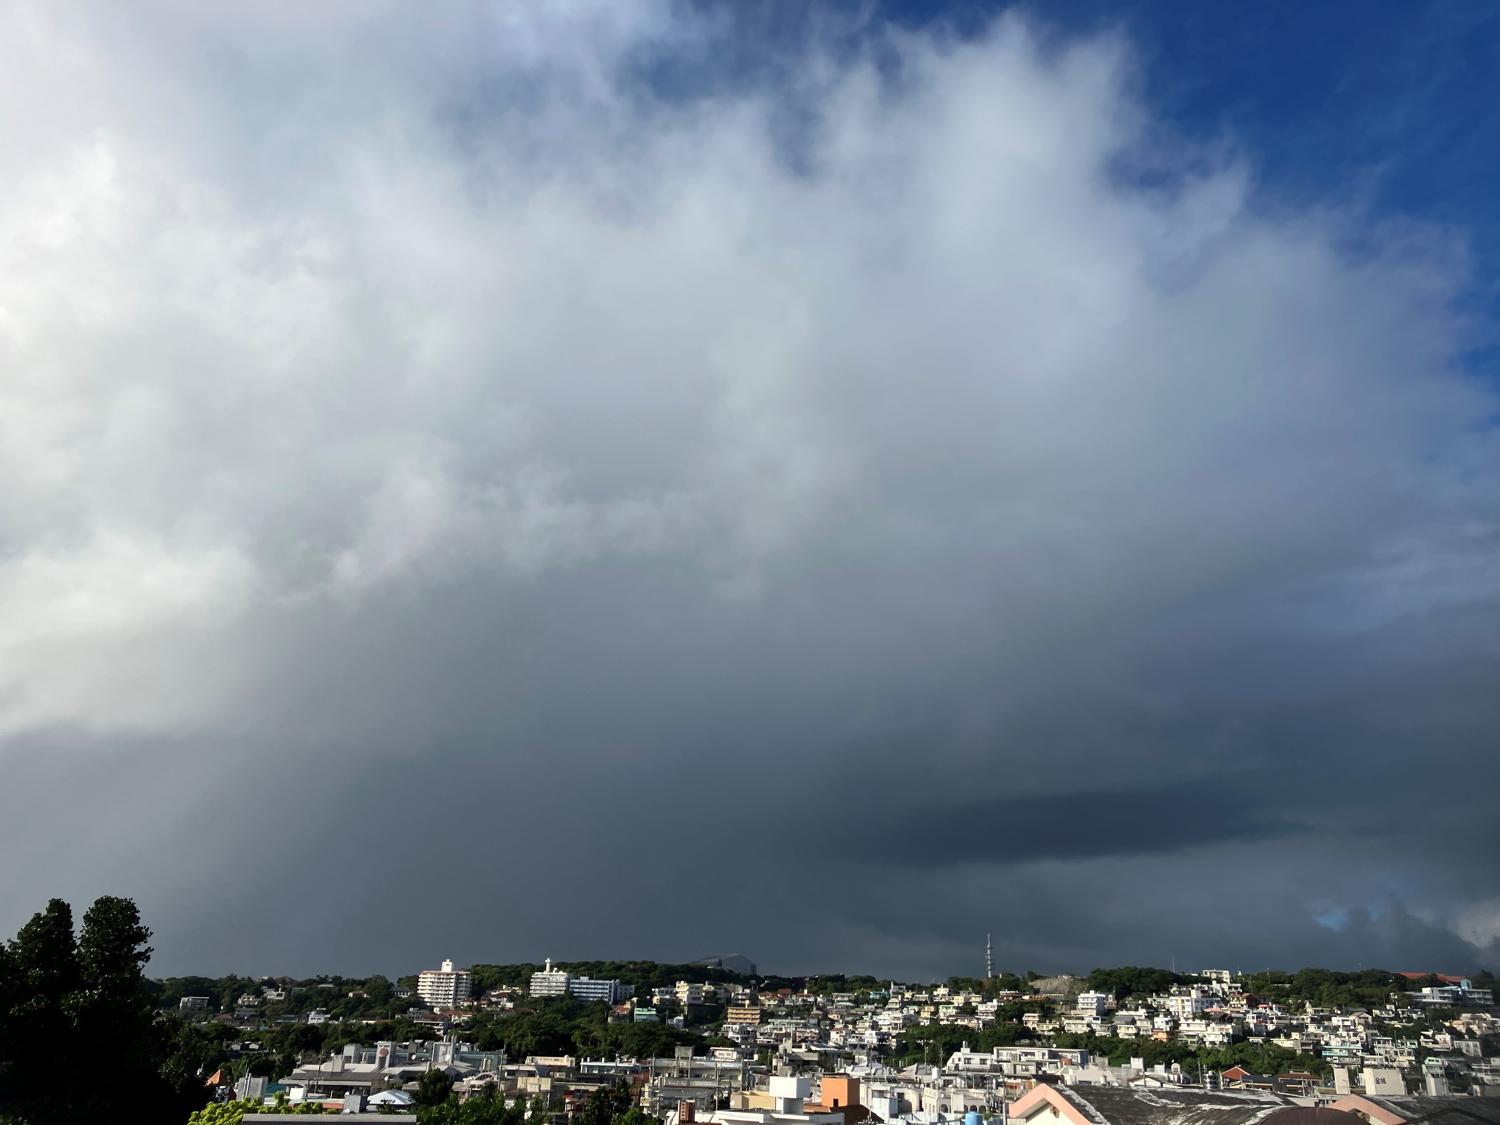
465, 499
1078, 823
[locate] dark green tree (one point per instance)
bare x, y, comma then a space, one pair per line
433, 1089
1133, 980
112, 1005
73, 1005
10, 998
42, 966
484, 1108
604, 1107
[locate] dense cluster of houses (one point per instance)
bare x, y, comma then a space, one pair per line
786, 1057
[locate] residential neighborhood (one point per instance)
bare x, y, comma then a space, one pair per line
741, 1049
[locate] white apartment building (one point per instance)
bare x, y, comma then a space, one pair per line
1186, 1003
548, 981
1455, 995
1079, 1023
892, 1020
1015, 1061
1093, 1003
588, 990
443, 988
1213, 1033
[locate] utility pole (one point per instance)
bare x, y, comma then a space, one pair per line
989, 963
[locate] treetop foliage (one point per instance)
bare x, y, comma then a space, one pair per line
1328, 988
1133, 980
643, 975
82, 1001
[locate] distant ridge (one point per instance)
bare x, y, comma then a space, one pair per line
733, 962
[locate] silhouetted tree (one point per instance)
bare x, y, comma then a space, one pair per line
71, 1005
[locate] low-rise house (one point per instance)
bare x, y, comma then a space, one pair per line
1408, 1110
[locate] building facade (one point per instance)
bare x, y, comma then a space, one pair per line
548, 981
444, 988
589, 990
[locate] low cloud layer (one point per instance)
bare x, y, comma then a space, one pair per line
466, 495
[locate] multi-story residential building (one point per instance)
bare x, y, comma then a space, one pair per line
709, 1082
548, 981
743, 1014
1015, 1061
1455, 995
590, 990
444, 988
1093, 1003
892, 1020
1184, 1003
1212, 1033
1342, 1052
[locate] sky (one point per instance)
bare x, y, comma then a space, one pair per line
650, 479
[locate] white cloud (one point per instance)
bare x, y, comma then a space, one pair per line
431, 344
1479, 924
102, 635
